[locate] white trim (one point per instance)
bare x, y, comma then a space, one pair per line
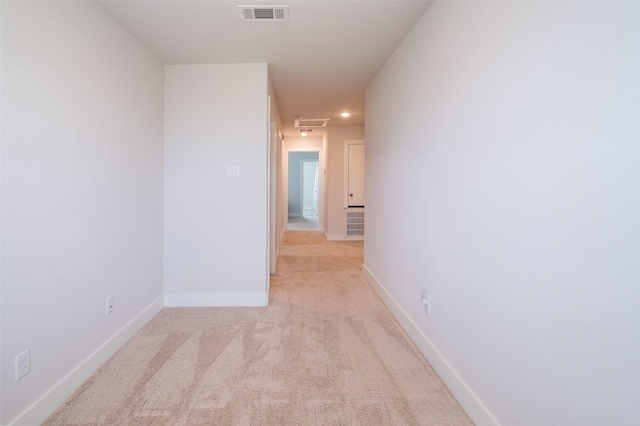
474, 407
44, 406
270, 199
347, 143
342, 237
216, 299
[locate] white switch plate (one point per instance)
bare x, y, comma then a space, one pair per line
426, 301
233, 171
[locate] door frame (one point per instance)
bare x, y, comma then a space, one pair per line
285, 179
347, 143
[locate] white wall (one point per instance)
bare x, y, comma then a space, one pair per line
503, 177
336, 220
216, 226
82, 148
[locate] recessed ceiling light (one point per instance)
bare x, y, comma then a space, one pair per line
303, 133
345, 114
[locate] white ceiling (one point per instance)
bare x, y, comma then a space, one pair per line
320, 62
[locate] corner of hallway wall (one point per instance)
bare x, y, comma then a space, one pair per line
82, 149
215, 241
275, 194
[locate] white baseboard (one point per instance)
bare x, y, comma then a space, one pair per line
342, 237
478, 412
217, 299
38, 412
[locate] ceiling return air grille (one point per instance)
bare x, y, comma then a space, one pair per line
311, 122
264, 13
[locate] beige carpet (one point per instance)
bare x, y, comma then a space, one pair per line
325, 352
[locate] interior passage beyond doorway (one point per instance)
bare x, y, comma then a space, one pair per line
303, 191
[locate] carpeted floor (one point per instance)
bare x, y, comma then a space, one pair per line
326, 351
304, 223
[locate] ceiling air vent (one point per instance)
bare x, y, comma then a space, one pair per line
264, 13
311, 122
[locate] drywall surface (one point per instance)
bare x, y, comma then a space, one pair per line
215, 225
502, 177
82, 148
336, 220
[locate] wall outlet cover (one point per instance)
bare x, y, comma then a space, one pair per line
23, 364
109, 304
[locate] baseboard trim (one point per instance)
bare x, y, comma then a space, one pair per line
217, 299
474, 407
342, 237
42, 408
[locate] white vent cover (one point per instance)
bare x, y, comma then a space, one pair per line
264, 13
305, 130
355, 223
311, 122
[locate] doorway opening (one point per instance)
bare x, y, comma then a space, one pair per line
303, 191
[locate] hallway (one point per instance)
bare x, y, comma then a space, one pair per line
325, 351
303, 223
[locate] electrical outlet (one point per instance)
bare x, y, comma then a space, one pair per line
109, 304
23, 364
426, 301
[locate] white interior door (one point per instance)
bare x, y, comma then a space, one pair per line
355, 174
